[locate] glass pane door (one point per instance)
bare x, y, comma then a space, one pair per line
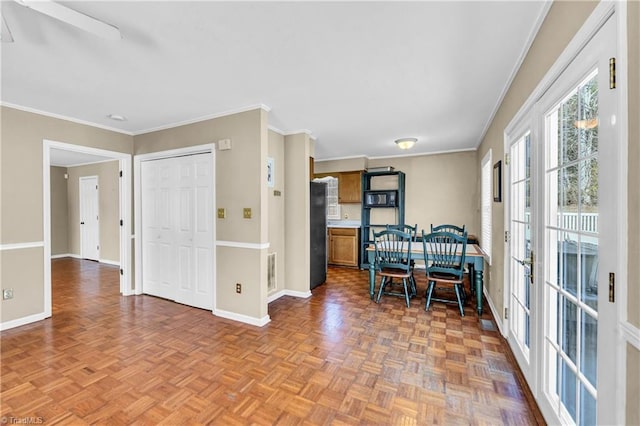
521, 254
572, 239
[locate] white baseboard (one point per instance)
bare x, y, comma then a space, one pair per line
59, 256
109, 262
293, 293
259, 322
22, 321
494, 311
631, 334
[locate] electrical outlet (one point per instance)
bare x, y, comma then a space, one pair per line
222, 213
238, 288
246, 213
7, 293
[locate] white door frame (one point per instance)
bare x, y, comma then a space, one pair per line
82, 217
592, 25
125, 213
137, 195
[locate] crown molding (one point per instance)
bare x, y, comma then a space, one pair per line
204, 118
64, 117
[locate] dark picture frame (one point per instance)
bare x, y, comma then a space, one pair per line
497, 182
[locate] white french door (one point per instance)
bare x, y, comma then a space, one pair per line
521, 249
562, 216
89, 218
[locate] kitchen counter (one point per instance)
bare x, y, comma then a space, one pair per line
343, 224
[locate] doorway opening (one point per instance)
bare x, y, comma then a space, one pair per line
61, 154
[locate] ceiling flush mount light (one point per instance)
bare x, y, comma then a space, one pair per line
117, 117
406, 143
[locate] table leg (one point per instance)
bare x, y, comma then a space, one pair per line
372, 278
479, 284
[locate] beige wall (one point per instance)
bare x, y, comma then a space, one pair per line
109, 208
438, 188
633, 386
240, 183
633, 308
345, 165
59, 211
297, 240
561, 24
633, 23
277, 207
21, 210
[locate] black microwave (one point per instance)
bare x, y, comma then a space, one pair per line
380, 198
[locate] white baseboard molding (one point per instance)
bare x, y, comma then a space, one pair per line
293, 293
631, 333
60, 256
109, 262
496, 316
22, 321
259, 322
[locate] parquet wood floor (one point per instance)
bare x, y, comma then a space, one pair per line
336, 358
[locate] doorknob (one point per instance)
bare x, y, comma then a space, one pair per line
81, 223
530, 263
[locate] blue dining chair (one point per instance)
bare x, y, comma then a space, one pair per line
413, 231
393, 260
444, 257
449, 228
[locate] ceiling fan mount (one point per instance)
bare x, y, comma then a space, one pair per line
66, 15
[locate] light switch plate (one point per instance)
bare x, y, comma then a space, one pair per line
246, 213
222, 213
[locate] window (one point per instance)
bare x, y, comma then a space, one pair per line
486, 197
333, 208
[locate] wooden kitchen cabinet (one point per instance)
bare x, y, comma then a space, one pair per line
349, 187
343, 246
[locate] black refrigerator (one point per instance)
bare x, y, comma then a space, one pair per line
318, 225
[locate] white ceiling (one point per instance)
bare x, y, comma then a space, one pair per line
357, 75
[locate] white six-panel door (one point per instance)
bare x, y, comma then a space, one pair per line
177, 223
89, 218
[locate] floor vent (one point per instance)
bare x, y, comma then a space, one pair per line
271, 271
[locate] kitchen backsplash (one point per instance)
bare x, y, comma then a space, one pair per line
350, 211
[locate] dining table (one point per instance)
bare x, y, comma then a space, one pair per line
474, 257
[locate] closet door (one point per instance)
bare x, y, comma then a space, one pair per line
177, 229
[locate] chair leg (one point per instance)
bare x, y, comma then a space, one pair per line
430, 287
457, 289
382, 284
406, 291
414, 291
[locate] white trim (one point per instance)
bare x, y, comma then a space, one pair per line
525, 51
631, 334
20, 246
292, 293
419, 154
125, 212
109, 262
60, 256
275, 129
22, 321
137, 132
177, 152
259, 322
239, 244
64, 117
202, 118
498, 318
